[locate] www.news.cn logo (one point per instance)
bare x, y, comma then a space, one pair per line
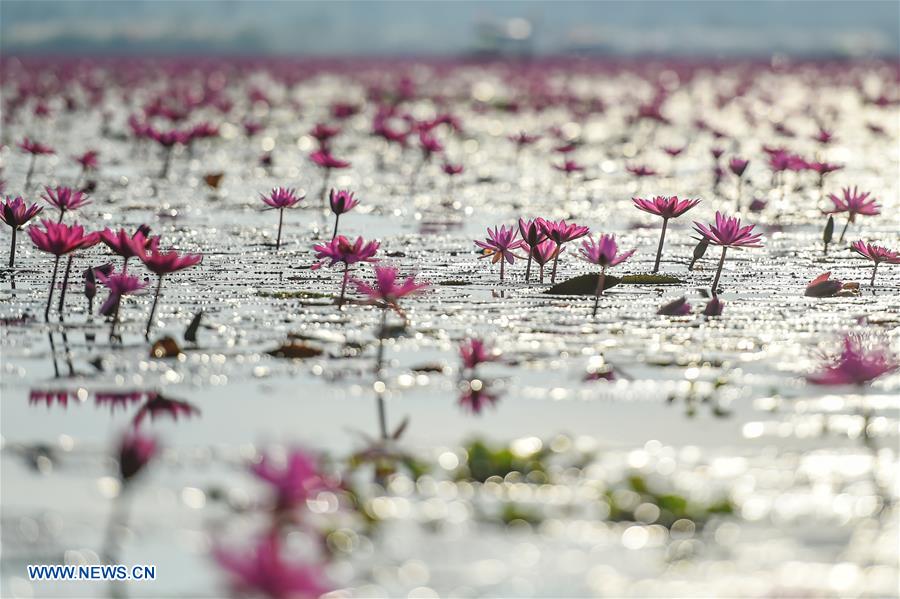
96, 572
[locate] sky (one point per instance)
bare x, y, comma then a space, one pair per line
393, 28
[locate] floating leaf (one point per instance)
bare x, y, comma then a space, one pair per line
213, 180
165, 348
587, 284
295, 351
190, 334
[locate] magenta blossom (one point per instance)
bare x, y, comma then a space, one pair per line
341, 249
341, 201
324, 159
323, 133
561, 232
728, 233
125, 244
853, 202
876, 253
16, 214
59, 239
119, 285
640, 171
279, 199
294, 479
65, 199
666, 208
543, 252
35, 149
88, 160
475, 351
532, 232
452, 169
264, 572
738, 166
862, 360
605, 254
159, 405
135, 452
499, 245
386, 289
569, 167
161, 264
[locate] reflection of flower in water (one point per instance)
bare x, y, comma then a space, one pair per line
157, 404
49, 398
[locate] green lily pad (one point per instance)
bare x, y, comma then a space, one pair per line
587, 284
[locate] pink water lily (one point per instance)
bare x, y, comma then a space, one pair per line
853, 203
561, 232
279, 199
65, 199
605, 254
499, 246
16, 214
161, 264
876, 253
665, 208
727, 232
862, 359
341, 201
342, 250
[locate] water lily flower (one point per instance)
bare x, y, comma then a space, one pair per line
59, 239
294, 480
279, 199
853, 203
737, 167
474, 351
523, 139
727, 232
119, 285
543, 252
605, 254
679, 307
862, 360
167, 140
499, 245
876, 253
673, 151
452, 170
640, 171
16, 214
561, 232
386, 292
161, 264
65, 199
824, 136
341, 201
265, 572
341, 249
35, 149
88, 162
136, 450
568, 167
665, 208
323, 134
714, 307
532, 232
127, 245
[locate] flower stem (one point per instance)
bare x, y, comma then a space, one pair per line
740, 187
715, 283
601, 280
12, 248
280, 220
164, 173
502, 264
153, 307
344, 284
337, 217
379, 360
62, 292
874, 270
843, 231
662, 238
555, 260
527, 268
52, 285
